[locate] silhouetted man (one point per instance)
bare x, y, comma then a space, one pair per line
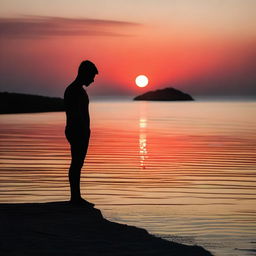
78, 126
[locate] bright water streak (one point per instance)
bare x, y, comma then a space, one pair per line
183, 170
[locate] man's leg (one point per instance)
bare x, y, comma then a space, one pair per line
78, 153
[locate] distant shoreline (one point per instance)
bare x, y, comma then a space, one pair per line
17, 103
31, 112
166, 94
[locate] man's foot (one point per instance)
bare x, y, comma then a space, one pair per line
81, 202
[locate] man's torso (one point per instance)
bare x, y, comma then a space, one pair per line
77, 110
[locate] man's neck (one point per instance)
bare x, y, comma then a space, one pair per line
77, 82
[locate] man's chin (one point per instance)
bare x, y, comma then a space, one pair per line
87, 84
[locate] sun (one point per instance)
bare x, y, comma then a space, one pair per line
141, 81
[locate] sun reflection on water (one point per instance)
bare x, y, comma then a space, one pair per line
143, 123
143, 142
143, 150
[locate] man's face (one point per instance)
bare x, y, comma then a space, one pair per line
89, 78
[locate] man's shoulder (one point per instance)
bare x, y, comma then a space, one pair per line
71, 91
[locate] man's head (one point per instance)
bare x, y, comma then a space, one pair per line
86, 72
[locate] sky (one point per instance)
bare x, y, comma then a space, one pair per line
201, 47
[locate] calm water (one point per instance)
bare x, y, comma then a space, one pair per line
186, 171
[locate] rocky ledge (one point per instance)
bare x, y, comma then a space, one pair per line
61, 229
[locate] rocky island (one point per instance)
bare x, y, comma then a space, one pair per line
60, 229
167, 94
27, 103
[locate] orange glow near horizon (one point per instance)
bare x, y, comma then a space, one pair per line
56, 66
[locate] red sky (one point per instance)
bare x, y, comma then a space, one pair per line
201, 48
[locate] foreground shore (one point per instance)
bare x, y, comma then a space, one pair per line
59, 228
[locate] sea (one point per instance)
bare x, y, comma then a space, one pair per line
185, 171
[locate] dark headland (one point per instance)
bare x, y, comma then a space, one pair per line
27, 103
167, 94
61, 229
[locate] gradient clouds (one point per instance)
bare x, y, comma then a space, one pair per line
39, 27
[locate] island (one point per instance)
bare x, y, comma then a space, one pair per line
26, 103
62, 229
167, 94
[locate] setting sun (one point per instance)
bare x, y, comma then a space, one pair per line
141, 81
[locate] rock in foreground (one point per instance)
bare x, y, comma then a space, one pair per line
61, 229
167, 94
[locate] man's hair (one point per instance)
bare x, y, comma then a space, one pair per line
87, 66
